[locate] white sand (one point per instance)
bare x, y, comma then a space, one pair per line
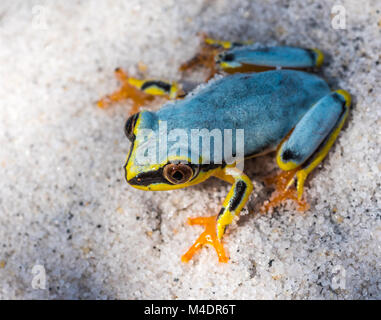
65, 205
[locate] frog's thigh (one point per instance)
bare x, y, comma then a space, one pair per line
314, 135
262, 59
289, 57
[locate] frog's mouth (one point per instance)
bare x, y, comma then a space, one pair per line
145, 179
156, 179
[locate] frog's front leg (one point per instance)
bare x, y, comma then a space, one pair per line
140, 91
215, 226
308, 145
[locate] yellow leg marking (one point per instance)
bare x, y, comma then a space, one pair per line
237, 177
221, 174
301, 175
285, 166
137, 83
223, 44
347, 97
320, 57
176, 91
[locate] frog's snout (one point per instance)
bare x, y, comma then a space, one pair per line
136, 182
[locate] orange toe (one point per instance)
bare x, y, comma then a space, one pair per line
126, 91
209, 236
283, 191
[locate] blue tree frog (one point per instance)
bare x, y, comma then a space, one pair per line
269, 95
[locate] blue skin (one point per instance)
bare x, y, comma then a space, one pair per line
287, 57
312, 129
266, 105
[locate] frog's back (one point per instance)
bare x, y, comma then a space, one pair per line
266, 105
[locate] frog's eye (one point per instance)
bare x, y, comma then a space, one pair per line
177, 173
129, 127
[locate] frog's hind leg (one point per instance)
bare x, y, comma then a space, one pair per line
249, 59
307, 146
139, 91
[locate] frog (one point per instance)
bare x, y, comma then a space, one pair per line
267, 92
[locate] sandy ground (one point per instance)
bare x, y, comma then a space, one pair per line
64, 204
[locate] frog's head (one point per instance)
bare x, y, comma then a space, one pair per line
143, 170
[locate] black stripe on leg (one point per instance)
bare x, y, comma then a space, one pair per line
221, 212
239, 192
160, 84
219, 215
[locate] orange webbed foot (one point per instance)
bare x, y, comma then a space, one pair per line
284, 191
126, 91
209, 236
